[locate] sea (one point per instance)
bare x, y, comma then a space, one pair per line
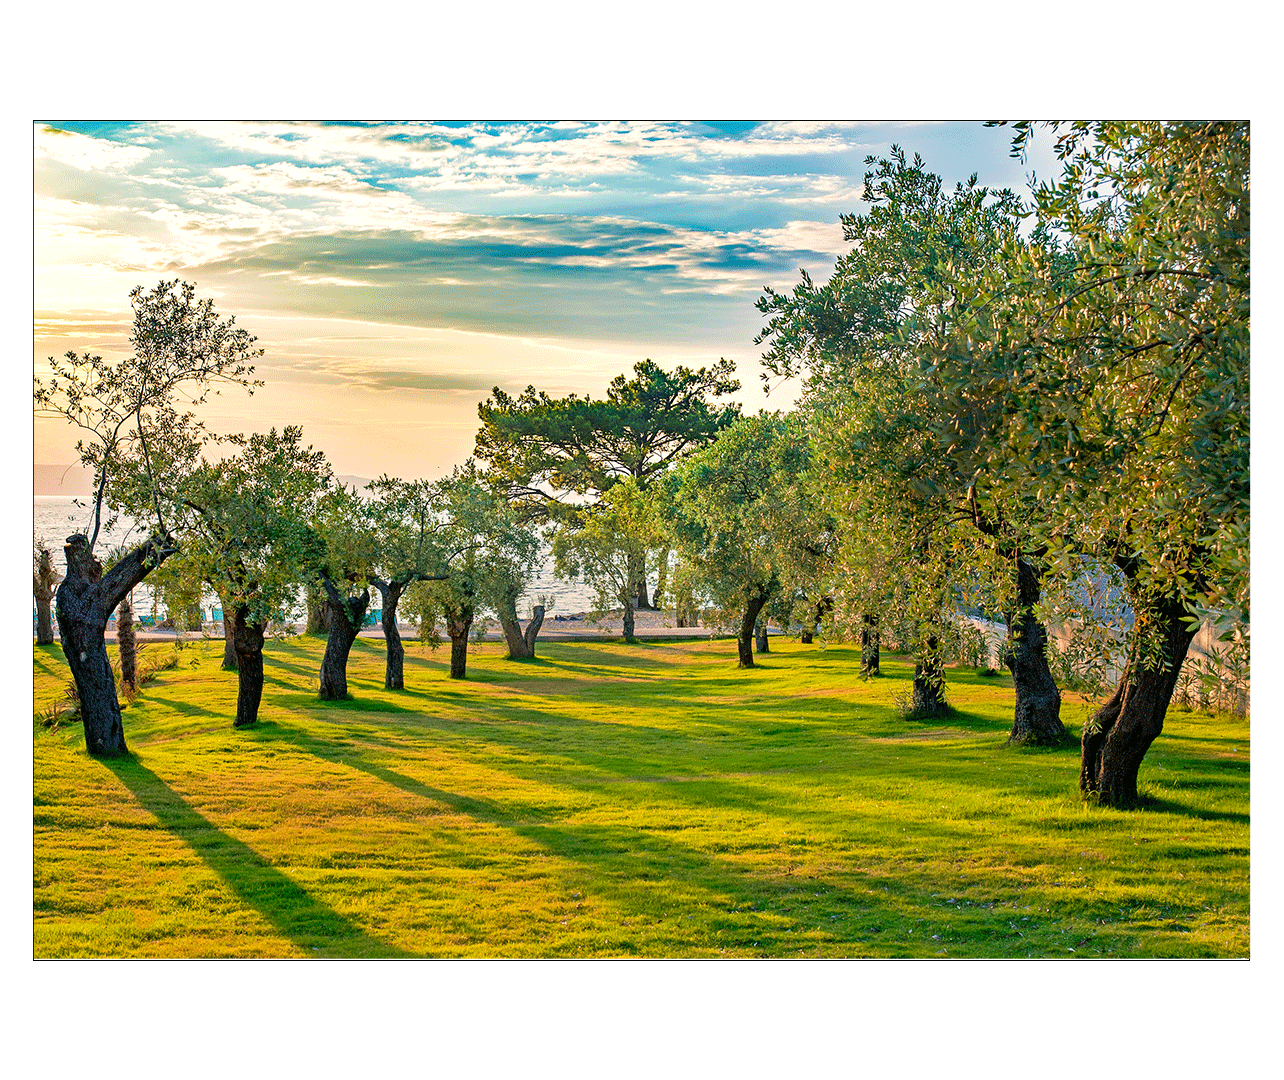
57, 516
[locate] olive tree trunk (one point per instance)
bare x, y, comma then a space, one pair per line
248, 638
45, 582
637, 573
1037, 718
521, 644
661, 578
761, 642
1117, 736
127, 645
870, 644
318, 614
85, 599
744, 642
458, 623
395, 662
346, 615
928, 696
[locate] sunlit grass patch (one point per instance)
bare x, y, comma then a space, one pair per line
613, 800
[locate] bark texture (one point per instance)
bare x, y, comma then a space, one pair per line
870, 644
661, 578
1037, 718
637, 572
812, 623
346, 616
45, 582
744, 642
928, 696
629, 624
248, 637
84, 601
127, 645
395, 662
521, 644
458, 623
1118, 735
318, 615
761, 642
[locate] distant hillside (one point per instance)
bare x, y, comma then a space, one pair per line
63, 480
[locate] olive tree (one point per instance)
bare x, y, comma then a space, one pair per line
604, 544
249, 534
734, 505
350, 542
485, 548
405, 531
877, 413
128, 411
44, 583
1109, 370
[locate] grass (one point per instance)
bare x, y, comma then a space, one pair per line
612, 800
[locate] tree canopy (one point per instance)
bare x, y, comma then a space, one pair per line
182, 350
249, 533
735, 509
1109, 370
133, 415
541, 449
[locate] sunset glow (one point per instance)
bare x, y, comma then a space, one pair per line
394, 273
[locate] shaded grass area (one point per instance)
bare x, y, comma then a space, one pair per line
612, 800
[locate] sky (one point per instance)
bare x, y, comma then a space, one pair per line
394, 273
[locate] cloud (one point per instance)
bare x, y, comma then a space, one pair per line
84, 152
524, 157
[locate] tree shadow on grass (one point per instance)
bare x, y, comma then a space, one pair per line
651, 879
183, 708
308, 923
1155, 804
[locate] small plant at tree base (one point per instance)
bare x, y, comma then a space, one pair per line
66, 711
910, 709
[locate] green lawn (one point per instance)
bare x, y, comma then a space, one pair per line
612, 800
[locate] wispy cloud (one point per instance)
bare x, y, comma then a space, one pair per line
433, 260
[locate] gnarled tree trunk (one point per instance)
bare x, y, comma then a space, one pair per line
928, 696
661, 578
85, 599
814, 616
761, 641
521, 644
870, 644
458, 623
629, 624
248, 638
1118, 735
346, 615
318, 614
394, 666
637, 573
744, 642
1037, 718
127, 645
532, 629
45, 582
